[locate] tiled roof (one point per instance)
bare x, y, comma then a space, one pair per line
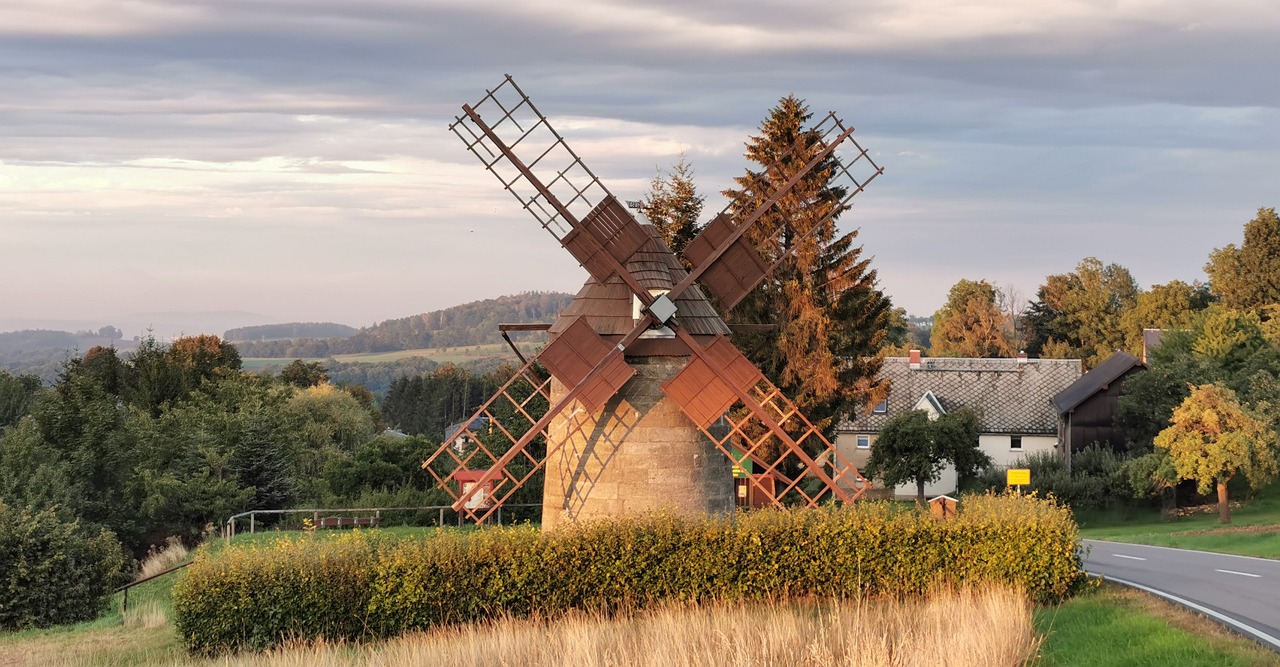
1009, 396
1110, 370
608, 306
475, 425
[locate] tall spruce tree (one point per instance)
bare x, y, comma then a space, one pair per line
673, 205
831, 320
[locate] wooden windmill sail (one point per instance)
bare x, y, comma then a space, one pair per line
595, 350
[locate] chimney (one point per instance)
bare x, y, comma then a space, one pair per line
914, 359
1022, 356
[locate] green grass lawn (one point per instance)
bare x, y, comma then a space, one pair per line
1117, 626
1254, 529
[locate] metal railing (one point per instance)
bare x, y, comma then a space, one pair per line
229, 527
124, 605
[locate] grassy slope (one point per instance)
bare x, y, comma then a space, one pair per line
1254, 529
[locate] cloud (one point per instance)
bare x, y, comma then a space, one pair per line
285, 145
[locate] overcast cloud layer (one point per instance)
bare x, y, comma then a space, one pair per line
282, 160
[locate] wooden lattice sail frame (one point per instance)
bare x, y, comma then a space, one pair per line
718, 388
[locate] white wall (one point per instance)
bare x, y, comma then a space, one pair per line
946, 485
997, 447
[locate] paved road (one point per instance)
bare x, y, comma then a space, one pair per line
1240, 591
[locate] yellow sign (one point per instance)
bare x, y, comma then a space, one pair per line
1018, 477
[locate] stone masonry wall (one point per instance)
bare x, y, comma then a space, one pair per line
641, 453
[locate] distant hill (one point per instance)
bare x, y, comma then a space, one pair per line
474, 323
289, 330
42, 352
36, 339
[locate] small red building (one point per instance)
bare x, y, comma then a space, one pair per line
467, 480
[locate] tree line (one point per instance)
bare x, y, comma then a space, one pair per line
1203, 416
170, 440
474, 323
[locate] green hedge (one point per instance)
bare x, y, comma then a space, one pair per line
362, 586
53, 570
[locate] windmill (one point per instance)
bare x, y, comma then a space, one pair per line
641, 354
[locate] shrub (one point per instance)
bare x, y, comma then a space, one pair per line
1097, 477
360, 586
53, 571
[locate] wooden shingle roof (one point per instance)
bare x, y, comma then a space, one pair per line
608, 306
1096, 380
1009, 396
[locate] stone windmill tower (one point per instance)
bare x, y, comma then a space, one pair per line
647, 403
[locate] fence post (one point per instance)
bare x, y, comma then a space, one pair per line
251, 522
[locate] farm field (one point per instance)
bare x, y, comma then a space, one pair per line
454, 355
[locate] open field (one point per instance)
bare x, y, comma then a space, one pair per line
1254, 529
443, 355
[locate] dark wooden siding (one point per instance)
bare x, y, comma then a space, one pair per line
1093, 420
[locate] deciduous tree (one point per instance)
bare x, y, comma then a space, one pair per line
16, 396
1153, 474
971, 323
1078, 315
303, 374
1248, 277
912, 448
1212, 438
1173, 305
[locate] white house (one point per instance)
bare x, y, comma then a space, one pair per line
1012, 398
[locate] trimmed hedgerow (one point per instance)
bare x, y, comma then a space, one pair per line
360, 586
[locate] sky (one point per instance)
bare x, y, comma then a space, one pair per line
193, 165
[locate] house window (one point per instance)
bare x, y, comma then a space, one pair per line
881, 408
1015, 442
864, 442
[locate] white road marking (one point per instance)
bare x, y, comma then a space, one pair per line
1129, 557
1196, 551
1243, 574
1247, 629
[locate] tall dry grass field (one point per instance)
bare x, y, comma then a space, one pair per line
984, 627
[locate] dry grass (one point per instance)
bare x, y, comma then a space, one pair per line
148, 614
159, 560
989, 627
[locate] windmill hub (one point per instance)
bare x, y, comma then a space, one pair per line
663, 309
